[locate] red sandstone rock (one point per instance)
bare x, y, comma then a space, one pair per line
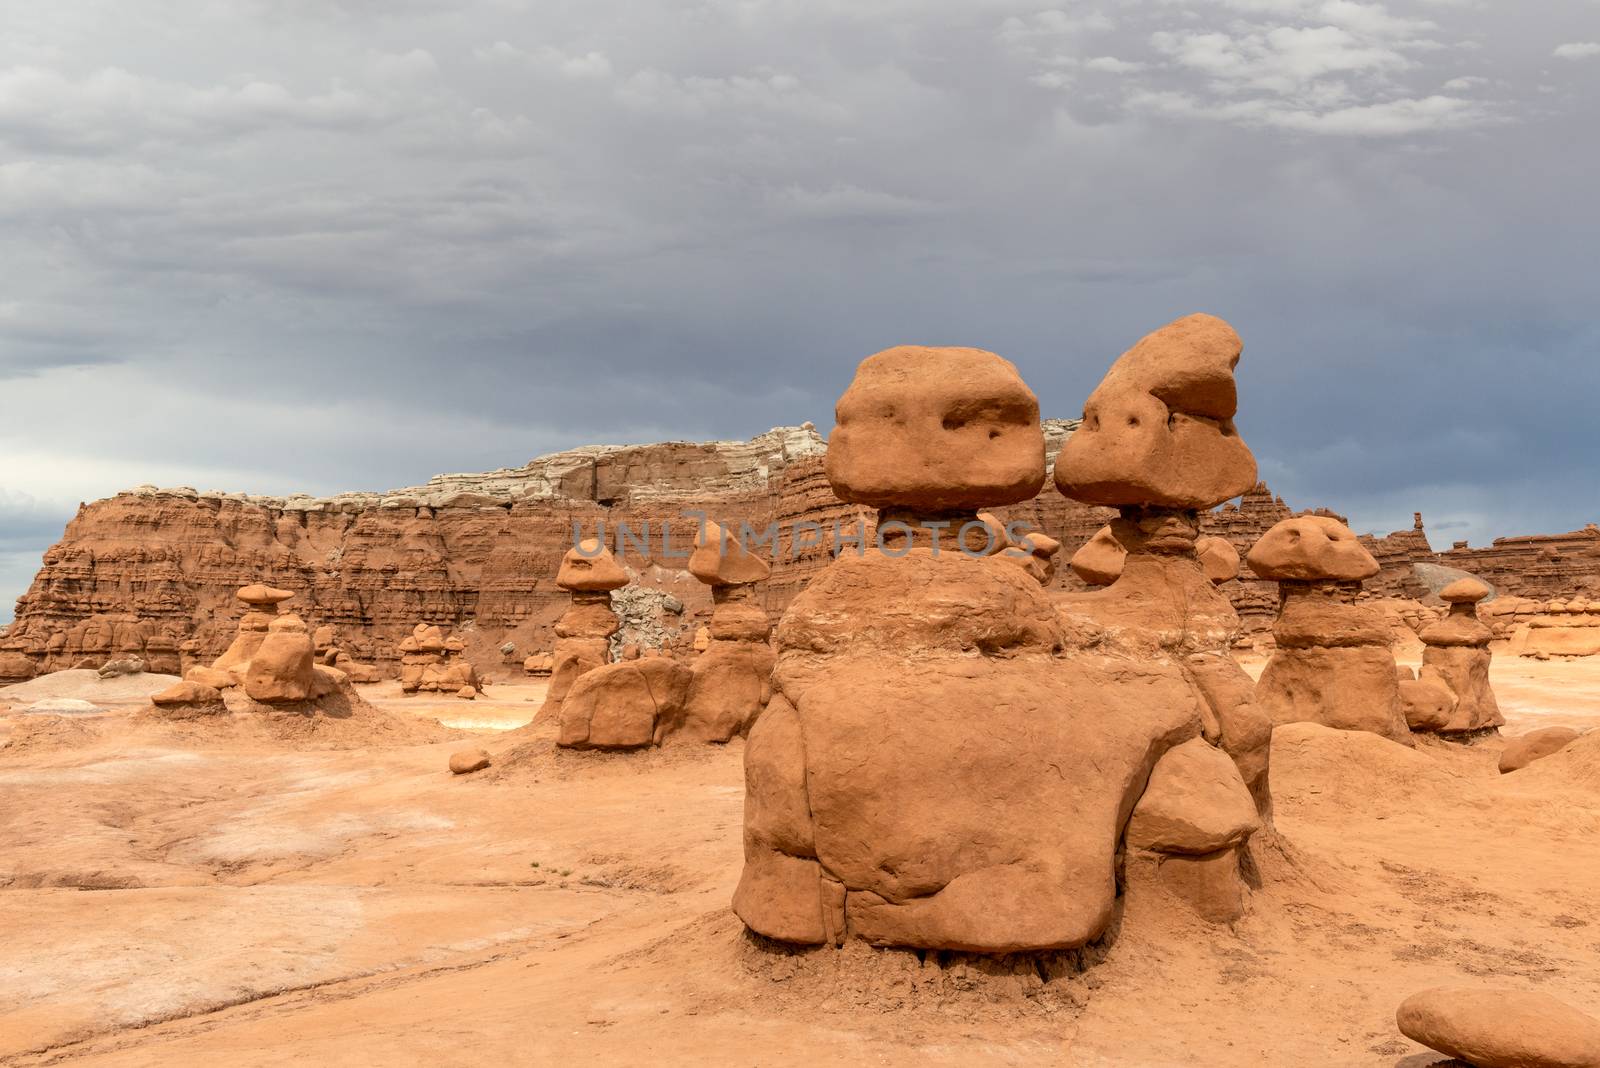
1099, 561
1195, 804
281, 669
1158, 430
1333, 664
187, 693
720, 560
1496, 1028
466, 761
938, 429
1427, 704
590, 567
1464, 591
1218, 559
1311, 547
1535, 745
619, 706
1457, 656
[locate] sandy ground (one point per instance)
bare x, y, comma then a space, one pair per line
176, 904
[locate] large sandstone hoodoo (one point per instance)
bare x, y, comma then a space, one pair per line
1456, 656
1334, 662
731, 682
1158, 443
589, 573
939, 767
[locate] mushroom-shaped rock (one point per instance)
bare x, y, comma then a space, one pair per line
1464, 591
1535, 745
938, 430
1311, 547
466, 761
1493, 1028
589, 567
1218, 558
1099, 561
1196, 804
260, 595
720, 558
1158, 430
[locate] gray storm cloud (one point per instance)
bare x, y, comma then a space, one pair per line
328, 245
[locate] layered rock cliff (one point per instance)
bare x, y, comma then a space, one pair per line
153, 571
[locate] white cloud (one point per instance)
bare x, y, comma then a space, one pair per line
591, 64
1577, 50
1112, 65
45, 110
1462, 84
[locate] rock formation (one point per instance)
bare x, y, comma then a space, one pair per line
731, 681
946, 762
1334, 664
1566, 627
1535, 745
1099, 561
588, 573
271, 661
141, 572
431, 662
1457, 657
1158, 442
329, 651
1491, 1028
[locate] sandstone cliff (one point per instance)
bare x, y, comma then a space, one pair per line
153, 571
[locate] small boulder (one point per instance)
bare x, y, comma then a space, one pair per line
1496, 1028
720, 558
1464, 591
1535, 745
114, 668
1099, 561
1428, 704
1196, 804
187, 693
466, 761
467, 693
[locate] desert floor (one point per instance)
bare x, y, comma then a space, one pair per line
173, 897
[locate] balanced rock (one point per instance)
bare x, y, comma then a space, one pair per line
1158, 430
1490, 1028
589, 567
1535, 745
933, 769
936, 429
1334, 664
1456, 655
588, 572
1035, 552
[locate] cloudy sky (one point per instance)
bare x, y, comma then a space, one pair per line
314, 245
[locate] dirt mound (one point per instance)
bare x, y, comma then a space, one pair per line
1578, 764
339, 720
731, 969
533, 753
1367, 773
85, 685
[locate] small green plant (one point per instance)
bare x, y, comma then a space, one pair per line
533, 864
